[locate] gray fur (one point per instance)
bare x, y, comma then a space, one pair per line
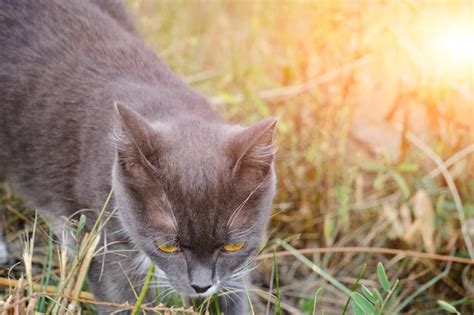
180, 174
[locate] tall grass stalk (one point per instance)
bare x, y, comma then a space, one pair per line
144, 290
47, 271
73, 276
277, 285
315, 300
355, 287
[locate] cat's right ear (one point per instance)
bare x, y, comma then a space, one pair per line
253, 150
134, 137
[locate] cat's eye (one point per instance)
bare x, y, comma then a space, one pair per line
233, 247
168, 249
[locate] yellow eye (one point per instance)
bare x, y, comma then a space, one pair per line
167, 248
234, 247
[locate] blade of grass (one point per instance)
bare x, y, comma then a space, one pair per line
315, 300
422, 288
84, 268
28, 256
382, 275
355, 287
448, 307
270, 287
372, 250
277, 285
47, 271
315, 267
402, 184
143, 292
390, 293
217, 306
252, 311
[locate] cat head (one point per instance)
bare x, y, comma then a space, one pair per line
195, 196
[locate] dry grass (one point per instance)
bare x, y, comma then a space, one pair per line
375, 144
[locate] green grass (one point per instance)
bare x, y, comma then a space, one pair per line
330, 71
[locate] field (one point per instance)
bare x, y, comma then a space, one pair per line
375, 162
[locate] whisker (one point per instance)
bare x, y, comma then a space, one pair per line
129, 281
232, 218
243, 272
237, 233
230, 293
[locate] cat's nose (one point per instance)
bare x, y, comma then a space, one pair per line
200, 289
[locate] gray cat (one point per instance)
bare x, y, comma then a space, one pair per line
193, 193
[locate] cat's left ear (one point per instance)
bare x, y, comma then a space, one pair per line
253, 149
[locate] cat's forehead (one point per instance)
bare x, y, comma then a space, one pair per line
195, 138
195, 156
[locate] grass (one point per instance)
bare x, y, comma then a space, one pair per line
375, 143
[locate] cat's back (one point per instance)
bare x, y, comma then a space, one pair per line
60, 52
24, 21
56, 58
50, 36
62, 66
49, 47
50, 60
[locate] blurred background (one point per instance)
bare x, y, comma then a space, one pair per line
371, 97
375, 102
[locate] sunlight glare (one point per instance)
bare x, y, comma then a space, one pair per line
455, 43
449, 44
